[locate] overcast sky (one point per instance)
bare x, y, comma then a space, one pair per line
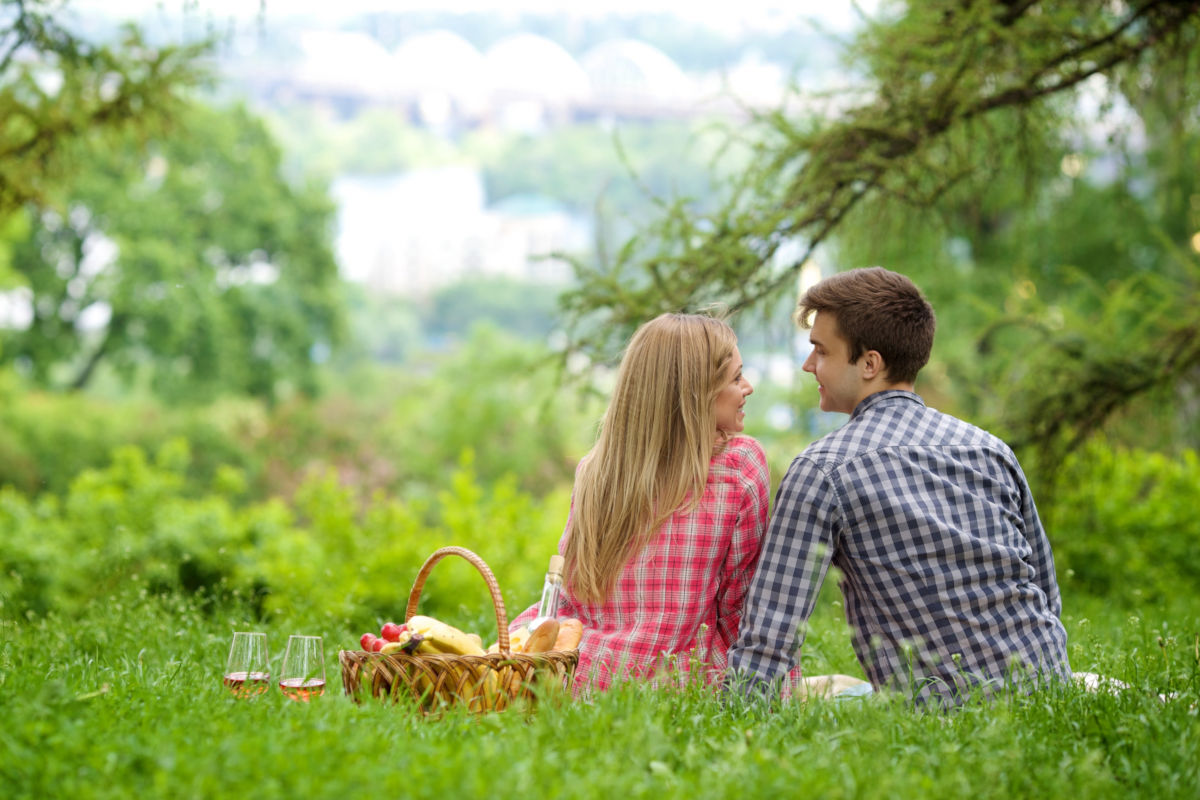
834, 14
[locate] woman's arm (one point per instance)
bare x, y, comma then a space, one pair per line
745, 545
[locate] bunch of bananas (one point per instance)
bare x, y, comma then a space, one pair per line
423, 634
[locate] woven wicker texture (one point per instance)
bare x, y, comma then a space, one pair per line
482, 683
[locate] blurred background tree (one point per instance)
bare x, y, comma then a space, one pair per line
964, 162
187, 261
58, 89
149, 231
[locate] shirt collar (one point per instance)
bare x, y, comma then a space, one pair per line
886, 397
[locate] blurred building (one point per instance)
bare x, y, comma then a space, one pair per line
415, 232
524, 82
412, 233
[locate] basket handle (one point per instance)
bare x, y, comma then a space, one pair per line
484, 570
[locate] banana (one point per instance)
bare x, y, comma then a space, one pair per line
405, 644
439, 637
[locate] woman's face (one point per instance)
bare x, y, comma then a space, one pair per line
729, 407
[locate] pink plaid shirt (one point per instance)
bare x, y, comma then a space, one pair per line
682, 595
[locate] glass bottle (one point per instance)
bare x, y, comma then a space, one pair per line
547, 608
552, 589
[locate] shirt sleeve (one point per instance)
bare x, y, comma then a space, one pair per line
796, 555
745, 544
1042, 557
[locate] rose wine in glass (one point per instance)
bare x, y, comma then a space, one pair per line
303, 675
246, 672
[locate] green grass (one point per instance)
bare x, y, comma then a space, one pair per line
127, 702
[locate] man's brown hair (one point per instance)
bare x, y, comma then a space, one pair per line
876, 309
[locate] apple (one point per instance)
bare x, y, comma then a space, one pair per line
365, 641
377, 644
390, 632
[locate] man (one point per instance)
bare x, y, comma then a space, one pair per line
949, 580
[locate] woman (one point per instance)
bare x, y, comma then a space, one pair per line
668, 509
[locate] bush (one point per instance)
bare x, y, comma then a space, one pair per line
330, 554
1124, 525
47, 439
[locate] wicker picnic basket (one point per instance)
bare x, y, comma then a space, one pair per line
488, 682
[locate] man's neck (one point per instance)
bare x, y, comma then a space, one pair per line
875, 387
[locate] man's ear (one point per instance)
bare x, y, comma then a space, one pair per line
871, 365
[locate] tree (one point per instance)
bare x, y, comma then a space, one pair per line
57, 89
189, 260
960, 90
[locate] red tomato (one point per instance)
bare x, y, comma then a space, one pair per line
390, 632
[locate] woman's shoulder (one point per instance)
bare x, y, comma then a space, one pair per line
742, 453
745, 446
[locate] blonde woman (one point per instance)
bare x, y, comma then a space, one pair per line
668, 509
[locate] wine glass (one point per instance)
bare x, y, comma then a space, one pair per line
246, 671
303, 674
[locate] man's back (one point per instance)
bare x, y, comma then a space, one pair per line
948, 576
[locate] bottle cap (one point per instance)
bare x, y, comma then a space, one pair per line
556, 564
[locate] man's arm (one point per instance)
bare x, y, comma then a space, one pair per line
1035, 534
796, 554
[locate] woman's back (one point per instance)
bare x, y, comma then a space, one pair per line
681, 594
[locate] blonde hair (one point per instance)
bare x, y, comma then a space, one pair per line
655, 442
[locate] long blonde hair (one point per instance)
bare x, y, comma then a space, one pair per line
655, 442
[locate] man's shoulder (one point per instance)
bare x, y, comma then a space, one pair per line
891, 423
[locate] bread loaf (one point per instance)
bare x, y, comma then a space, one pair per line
570, 631
543, 637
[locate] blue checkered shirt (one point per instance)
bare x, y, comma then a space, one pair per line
948, 578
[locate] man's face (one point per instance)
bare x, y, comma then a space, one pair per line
838, 381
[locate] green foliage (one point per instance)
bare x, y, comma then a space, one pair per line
522, 309
47, 439
329, 554
939, 74
383, 328
587, 167
1124, 527
375, 142
220, 275
400, 430
57, 89
1061, 379
503, 401
1061, 269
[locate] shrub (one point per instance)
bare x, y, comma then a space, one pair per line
1124, 525
329, 554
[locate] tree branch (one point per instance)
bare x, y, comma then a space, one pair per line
930, 86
